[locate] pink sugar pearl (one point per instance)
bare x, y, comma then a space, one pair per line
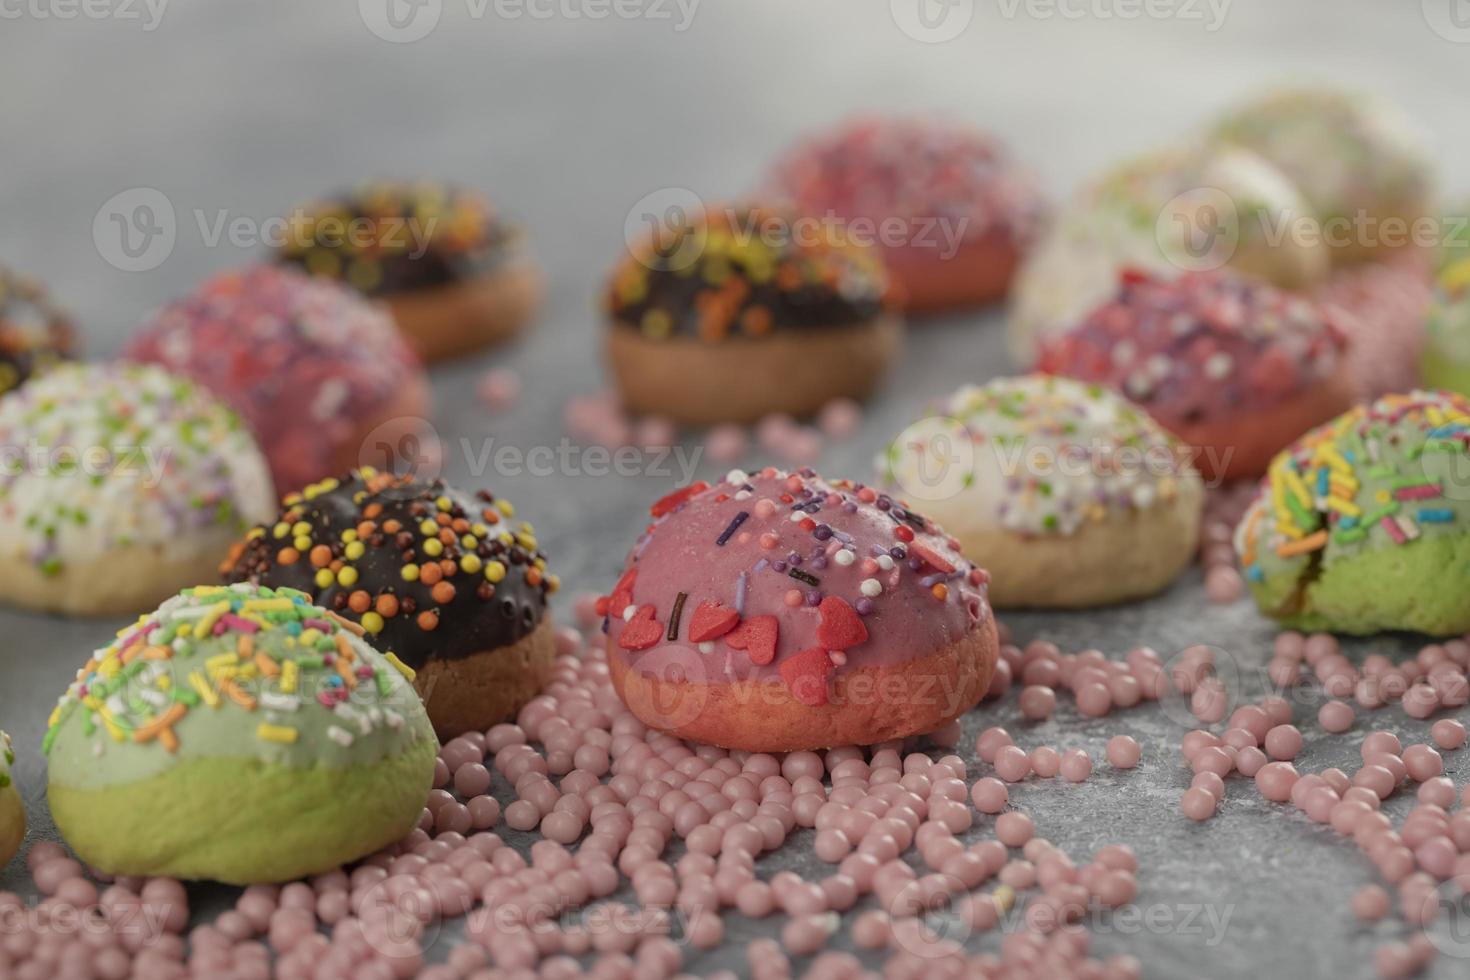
991, 741
1198, 803
1283, 742
1336, 716
1422, 762
1124, 752
1038, 702
990, 795
1046, 761
1275, 780
1375, 742
1448, 734
1076, 766
1094, 700
1223, 584
1014, 829
1370, 903
1012, 763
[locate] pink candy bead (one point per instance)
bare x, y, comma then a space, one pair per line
1076, 765
990, 795
1198, 803
1123, 752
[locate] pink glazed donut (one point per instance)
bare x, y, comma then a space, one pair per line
311, 367
779, 612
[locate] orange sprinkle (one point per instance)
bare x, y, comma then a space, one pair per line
430, 574
321, 556
371, 511
237, 695
756, 321
448, 536
346, 624
287, 556
245, 646
391, 527
1303, 545
387, 605
158, 653
344, 649
366, 529
359, 601
443, 593
268, 667
940, 590
533, 576
491, 515
169, 740
150, 731
428, 621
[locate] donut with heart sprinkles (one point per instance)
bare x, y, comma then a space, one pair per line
779, 611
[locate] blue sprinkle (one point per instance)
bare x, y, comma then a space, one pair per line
1436, 515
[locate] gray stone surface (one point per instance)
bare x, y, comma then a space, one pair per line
241, 109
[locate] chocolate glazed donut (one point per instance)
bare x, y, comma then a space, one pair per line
441, 580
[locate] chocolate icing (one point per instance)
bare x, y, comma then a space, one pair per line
34, 334
418, 619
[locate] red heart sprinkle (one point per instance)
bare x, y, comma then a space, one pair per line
932, 557
807, 674
642, 631
757, 637
622, 593
667, 503
840, 625
711, 620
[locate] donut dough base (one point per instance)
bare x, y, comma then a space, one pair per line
1125, 557
451, 321
742, 379
978, 273
1419, 586
486, 688
12, 824
867, 704
242, 822
123, 581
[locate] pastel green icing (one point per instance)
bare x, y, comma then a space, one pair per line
242, 821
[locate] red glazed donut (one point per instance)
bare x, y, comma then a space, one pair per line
311, 367
951, 209
777, 612
1234, 367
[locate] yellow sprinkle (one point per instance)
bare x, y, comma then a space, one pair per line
324, 578
349, 536
302, 544
1328, 454
372, 622
221, 662
113, 728
289, 670
205, 626
1005, 897
505, 508
495, 571
428, 528
267, 605
471, 563
281, 530
301, 530
410, 573
398, 665
206, 693
1383, 496
433, 547
280, 734
444, 503
1297, 487
355, 550
1344, 506
347, 577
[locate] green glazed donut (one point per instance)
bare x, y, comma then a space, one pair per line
12, 813
240, 734
1363, 524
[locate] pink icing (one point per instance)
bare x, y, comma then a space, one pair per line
1201, 346
303, 360
924, 604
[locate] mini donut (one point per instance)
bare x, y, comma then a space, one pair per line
1363, 524
949, 206
119, 485
34, 334
1071, 495
456, 276
12, 811
1356, 157
1234, 367
312, 367
240, 735
1187, 207
449, 583
733, 315
1446, 357
774, 612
